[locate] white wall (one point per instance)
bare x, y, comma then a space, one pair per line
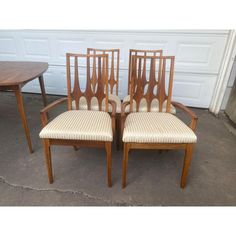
198, 56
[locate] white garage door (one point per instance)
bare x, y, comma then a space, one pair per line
198, 56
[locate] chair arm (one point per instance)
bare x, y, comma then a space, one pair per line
123, 106
123, 116
113, 104
43, 112
192, 115
113, 115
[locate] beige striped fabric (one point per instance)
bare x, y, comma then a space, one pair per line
143, 106
94, 104
79, 125
156, 127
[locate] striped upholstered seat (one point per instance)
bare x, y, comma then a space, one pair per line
143, 106
94, 104
79, 125
156, 127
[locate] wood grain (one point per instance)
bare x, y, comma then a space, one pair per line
136, 52
114, 66
149, 73
16, 72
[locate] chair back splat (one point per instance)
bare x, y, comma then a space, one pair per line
95, 76
149, 75
113, 65
139, 52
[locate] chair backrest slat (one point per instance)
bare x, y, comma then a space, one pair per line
135, 52
170, 89
114, 58
160, 70
96, 85
77, 92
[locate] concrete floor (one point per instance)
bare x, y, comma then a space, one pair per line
80, 176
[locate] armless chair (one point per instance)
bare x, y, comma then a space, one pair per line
113, 84
82, 127
143, 105
155, 130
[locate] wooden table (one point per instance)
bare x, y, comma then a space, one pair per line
13, 76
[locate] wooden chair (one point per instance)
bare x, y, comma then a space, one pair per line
155, 130
143, 106
82, 127
113, 84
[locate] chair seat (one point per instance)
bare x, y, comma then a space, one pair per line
79, 125
143, 106
94, 104
156, 127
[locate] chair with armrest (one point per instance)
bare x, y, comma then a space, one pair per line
155, 130
82, 127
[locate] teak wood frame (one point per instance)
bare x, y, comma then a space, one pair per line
102, 85
138, 82
113, 69
113, 80
139, 52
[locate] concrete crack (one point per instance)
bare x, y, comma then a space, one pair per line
85, 195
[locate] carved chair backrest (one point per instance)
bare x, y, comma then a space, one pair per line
113, 65
152, 81
95, 78
136, 52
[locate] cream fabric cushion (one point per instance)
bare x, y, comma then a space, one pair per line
94, 104
156, 127
80, 125
143, 106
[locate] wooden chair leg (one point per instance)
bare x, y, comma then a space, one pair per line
125, 163
121, 132
48, 160
108, 157
187, 161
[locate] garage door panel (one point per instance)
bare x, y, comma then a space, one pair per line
69, 45
113, 43
150, 44
199, 54
36, 48
8, 48
192, 90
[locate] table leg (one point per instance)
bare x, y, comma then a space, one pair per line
42, 87
20, 105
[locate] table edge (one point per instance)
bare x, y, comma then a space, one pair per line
26, 81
